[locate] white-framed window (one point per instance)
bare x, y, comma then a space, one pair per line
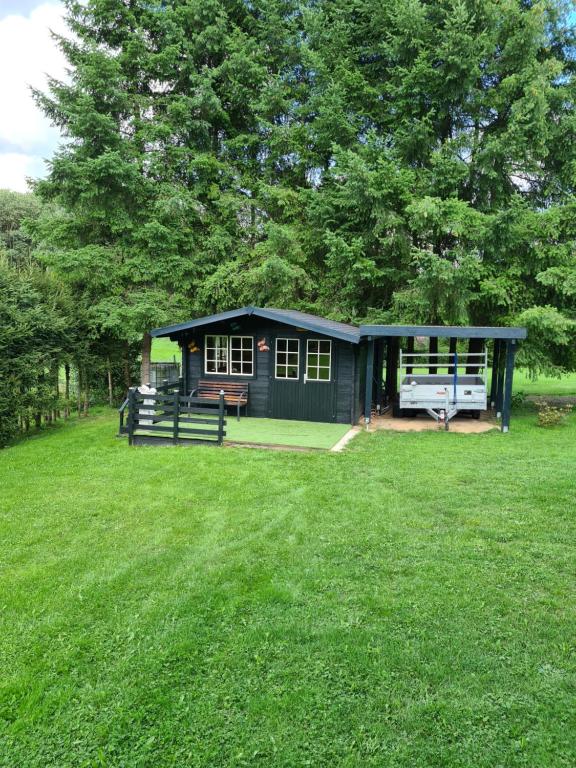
287, 363
229, 355
216, 354
318, 359
241, 355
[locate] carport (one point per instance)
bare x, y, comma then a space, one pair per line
382, 353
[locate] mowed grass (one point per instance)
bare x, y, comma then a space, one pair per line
409, 602
164, 351
544, 385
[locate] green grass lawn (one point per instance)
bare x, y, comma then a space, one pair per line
409, 602
164, 351
544, 385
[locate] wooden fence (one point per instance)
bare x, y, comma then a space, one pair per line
176, 385
174, 419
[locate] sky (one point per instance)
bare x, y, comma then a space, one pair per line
27, 55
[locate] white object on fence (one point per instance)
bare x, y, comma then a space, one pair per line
144, 389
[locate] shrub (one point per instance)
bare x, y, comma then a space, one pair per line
552, 415
518, 399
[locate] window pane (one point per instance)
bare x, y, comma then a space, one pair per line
292, 358
292, 372
312, 345
281, 345
281, 371
324, 360
312, 360
324, 374
211, 366
247, 369
324, 347
235, 368
247, 356
293, 345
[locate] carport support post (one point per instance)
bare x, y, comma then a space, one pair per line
379, 362
369, 378
510, 353
409, 348
452, 352
433, 352
391, 368
495, 363
500, 382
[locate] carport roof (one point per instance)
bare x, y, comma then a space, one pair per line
445, 331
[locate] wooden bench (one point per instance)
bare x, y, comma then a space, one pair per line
235, 392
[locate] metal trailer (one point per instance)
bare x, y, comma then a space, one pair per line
442, 396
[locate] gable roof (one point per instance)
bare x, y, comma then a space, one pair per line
292, 317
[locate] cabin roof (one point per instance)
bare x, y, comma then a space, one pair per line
344, 331
292, 317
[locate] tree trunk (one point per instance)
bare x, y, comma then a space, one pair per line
127, 377
110, 389
86, 393
475, 346
67, 390
145, 366
79, 386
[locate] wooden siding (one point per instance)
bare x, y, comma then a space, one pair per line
342, 394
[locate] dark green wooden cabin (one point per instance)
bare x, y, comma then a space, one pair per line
300, 366
295, 365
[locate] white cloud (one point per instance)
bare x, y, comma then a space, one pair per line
16, 167
27, 55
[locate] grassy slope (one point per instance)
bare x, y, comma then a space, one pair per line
164, 351
407, 603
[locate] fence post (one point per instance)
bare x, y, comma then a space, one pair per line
131, 410
221, 418
176, 417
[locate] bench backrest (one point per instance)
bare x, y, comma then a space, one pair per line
229, 387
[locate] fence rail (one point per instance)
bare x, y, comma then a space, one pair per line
173, 418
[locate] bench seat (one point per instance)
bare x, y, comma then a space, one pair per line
235, 392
